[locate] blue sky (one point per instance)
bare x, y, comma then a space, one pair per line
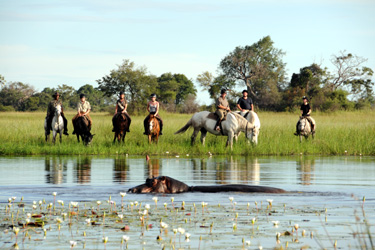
49, 43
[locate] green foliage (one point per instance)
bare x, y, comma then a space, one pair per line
260, 68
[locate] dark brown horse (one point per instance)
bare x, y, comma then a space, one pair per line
121, 125
154, 128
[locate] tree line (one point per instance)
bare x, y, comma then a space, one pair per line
259, 68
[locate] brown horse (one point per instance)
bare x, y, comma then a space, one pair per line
154, 128
121, 125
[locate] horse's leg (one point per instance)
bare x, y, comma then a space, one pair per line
123, 137
54, 133
194, 135
77, 137
230, 139
60, 136
114, 138
156, 138
203, 135
300, 138
149, 138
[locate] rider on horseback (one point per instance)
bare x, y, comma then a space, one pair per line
153, 108
222, 108
305, 112
50, 113
121, 106
83, 109
245, 103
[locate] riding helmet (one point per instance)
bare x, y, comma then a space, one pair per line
56, 94
121, 93
245, 91
223, 91
153, 95
305, 97
81, 96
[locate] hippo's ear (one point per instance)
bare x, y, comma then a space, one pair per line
162, 178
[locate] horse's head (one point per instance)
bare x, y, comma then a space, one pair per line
88, 139
302, 124
252, 133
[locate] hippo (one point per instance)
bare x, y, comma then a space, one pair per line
168, 185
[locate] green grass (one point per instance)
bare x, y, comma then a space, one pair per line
351, 133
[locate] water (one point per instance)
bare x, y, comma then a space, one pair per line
313, 184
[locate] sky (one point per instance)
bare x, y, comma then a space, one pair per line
46, 43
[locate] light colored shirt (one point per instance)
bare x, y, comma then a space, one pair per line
83, 107
153, 107
223, 102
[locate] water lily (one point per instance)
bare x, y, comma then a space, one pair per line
147, 206
248, 243
253, 220
187, 236
175, 231
125, 238
98, 202
163, 225
74, 204
231, 199
54, 193
88, 221
59, 220
105, 239
72, 243
122, 194
270, 201
61, 202
181, 230
275, 223
16, 230
121, 216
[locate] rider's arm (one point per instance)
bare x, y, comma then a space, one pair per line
148, 107
239, 107
116, 108
157, 109
252, 107
222, 107
126, 106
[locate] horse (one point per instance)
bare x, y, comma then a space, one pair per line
121, 126
204, 122
57, 125
253, 118
154, 129
304, 128
81, 129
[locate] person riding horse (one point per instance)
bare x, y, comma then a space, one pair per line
245, 103
152, 108
121, 106
51, 110
222, 108
83, 109
306, 113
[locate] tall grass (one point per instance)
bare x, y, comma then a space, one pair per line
351, 133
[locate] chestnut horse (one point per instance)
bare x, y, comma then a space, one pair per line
121, 126
154, 129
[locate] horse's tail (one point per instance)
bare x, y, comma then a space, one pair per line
184, 128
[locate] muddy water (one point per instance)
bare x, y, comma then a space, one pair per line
316, 185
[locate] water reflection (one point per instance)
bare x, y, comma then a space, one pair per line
306, 168
243, 169
83, 170
153, 168
56, 169
120, 169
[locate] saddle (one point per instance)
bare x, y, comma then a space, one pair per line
214, 116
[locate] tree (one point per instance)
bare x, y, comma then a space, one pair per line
2, 81
258, 66
347, 70
175, 88
95, 96
15, 94
214, 84
133, 80
186, 88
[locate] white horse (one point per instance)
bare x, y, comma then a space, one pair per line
231, 127
57, 124
304, 128
253, 118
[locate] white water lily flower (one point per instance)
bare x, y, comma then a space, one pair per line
147, 206
155, 199
172, 199
248, 243
74, 204
275, 222
34, 207
122, 194
125, 238
187, 236
121, 216
270, 201
231, 199
105, 239
40, 202
60, 201
16, 230
98, 202
163, 225
73, 243
88, 221
58, 220
175, 230
28, 215
181, 230
54, 193
27, 221
296, 226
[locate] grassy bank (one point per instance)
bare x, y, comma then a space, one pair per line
340, 133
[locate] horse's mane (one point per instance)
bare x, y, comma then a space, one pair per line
241, 120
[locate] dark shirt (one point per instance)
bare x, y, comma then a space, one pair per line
52, 105
121, 105
305, 109
245, 103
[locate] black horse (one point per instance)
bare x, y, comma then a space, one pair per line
81, 129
